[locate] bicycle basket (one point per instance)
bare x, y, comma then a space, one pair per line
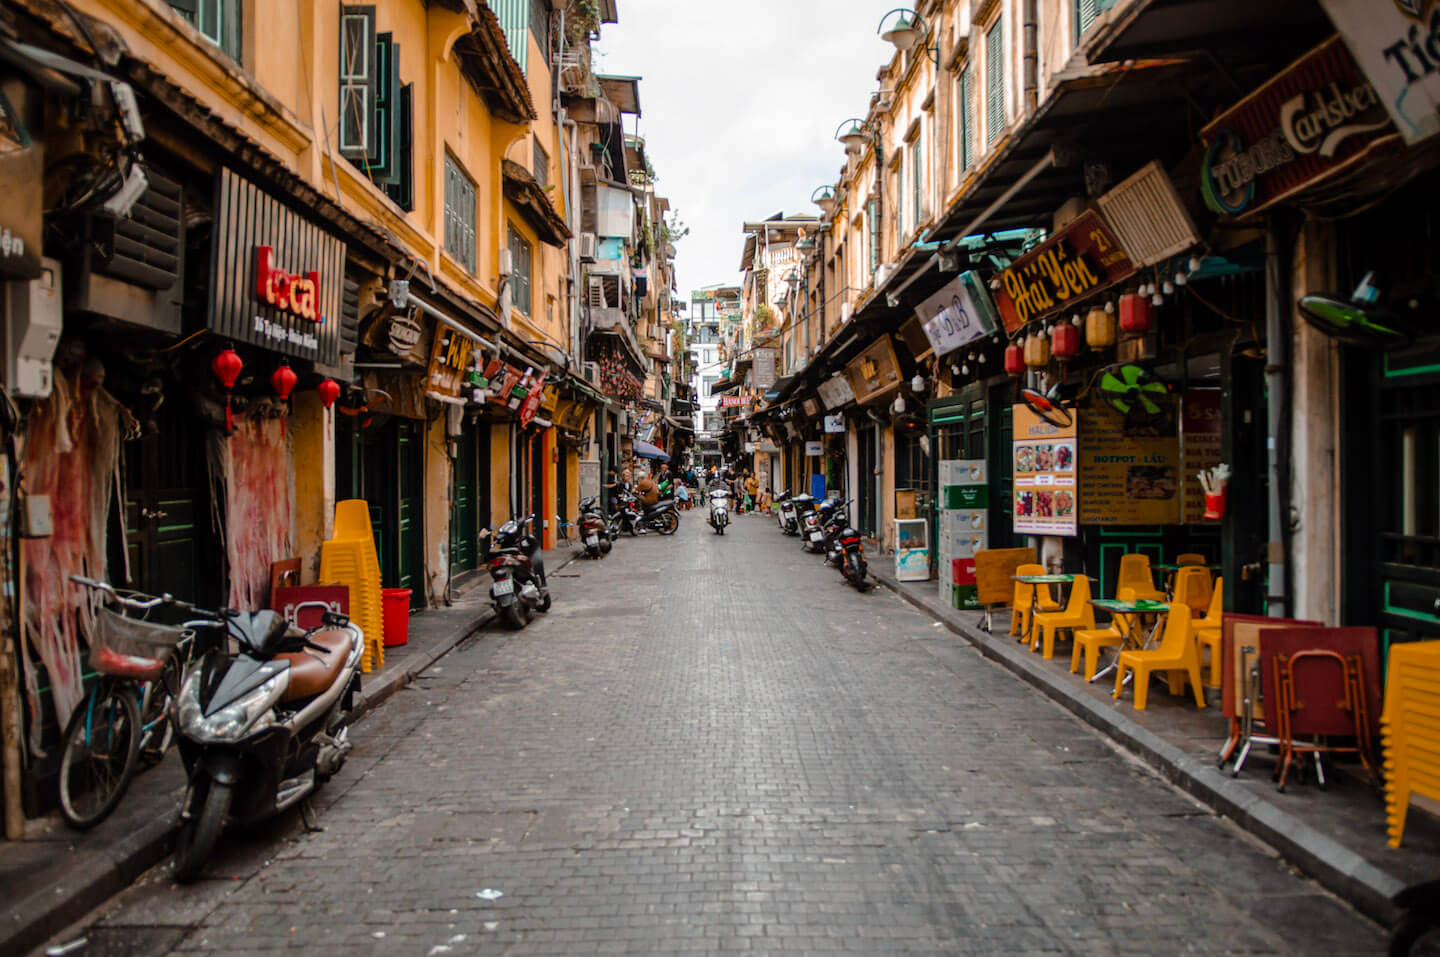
133, 637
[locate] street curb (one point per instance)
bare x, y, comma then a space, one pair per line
1334, 866
102, 874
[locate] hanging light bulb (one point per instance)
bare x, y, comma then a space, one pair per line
1168, 288
917, 384
955, 370
1180, 278
1195, 263
1075, 320
1157, 299
965, 370
982, 357
899, 406
1110, 307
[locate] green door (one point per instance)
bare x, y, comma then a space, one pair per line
463, 507
409, 504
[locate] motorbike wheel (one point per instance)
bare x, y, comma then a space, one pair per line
545, 603
102, 748
198, 835
605, 546
516, 615
668, 523
1415, 933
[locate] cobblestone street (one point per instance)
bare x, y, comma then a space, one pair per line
711, 744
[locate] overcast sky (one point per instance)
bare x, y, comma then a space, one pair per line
740, 102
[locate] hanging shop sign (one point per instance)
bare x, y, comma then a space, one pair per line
733, 401
450, 363
1080, 259
961, 312
762, 372
873, 372
835, 392
1317, 118
1127, 478
835, 424
1044, 474
1200, 449
21, 210
814, 448
1395, 43
530, 405
275, 277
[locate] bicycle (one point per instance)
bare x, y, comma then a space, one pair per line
124, 719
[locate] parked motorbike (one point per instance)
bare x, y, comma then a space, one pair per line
719, 499
786, 514
814, 523
851, 556
636, 519
1418, 929
520, 587
837, 519
594, 529
261, 727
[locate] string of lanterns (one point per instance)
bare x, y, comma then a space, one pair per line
227, 366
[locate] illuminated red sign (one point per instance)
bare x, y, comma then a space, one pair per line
299, 295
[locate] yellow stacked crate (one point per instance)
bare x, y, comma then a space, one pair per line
1410, 729
349, 558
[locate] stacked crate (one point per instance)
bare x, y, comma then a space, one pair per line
964, 514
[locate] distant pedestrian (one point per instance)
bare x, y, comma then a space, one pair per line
752, 490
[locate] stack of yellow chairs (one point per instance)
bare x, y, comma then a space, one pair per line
349, 559
1410, 730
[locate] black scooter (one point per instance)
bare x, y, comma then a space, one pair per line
631, 517
520, 587
594, 529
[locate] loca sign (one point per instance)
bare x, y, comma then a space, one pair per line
298, 295
1309, 122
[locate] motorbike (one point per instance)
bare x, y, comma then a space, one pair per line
636, 519
594, 529
786, 515
814, 521
836, 520
1418, 929
850, 555
520, 587
719, 499
260, 727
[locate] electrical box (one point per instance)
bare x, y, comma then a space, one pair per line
33, 318
35, 518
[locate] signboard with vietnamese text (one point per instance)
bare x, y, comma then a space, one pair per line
1044, 474
1385, 37
763, 370
1318, 117
1080, 259
835, 424
874, 372
961, 312
734, 401
835, 392
1127, 477
1200, 449
449, 362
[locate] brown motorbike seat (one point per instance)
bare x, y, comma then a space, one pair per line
311, 671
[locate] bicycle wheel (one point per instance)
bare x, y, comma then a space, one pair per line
102, 746
157, 730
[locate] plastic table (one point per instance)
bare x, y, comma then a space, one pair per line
1128, 614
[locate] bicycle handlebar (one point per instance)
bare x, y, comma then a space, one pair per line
124, 597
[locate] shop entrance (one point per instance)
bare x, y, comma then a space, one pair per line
470, 501
384, 466
867, 511
170, 543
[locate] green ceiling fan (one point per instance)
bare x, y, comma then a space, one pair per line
1132, 390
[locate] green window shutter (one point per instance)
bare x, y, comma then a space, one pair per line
966, 115
381, 165
520, 270
872, 223
514, 16
357, 82
994, 82
1085, 13
459, 215
917, 173
402, 191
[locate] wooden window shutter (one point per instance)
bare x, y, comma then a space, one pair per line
382, 164
994, 82
966, 114
402, 191
357, 82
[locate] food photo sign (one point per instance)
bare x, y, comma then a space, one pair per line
1128, 476
1045, 459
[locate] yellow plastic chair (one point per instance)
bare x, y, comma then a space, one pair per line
1088, 641
1078, 613
1177, 653
1020, 612
1135, 574
1192, 587
1190, 558
1207, 633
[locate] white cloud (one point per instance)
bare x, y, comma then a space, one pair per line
740, 103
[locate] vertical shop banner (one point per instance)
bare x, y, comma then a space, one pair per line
763, 368
1394, 41
1200, 449
449, 362
1044, 471
1127, 477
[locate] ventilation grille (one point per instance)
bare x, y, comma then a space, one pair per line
146, 247
1148, 217
349, 316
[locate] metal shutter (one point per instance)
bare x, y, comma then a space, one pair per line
514, 18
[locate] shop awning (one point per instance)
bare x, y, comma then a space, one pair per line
725, 386
645, 450
1231, 32
679, 424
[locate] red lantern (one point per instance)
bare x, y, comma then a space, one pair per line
283, 380
329, 391
1064, 341
227, 366
1014, 359
1135, 313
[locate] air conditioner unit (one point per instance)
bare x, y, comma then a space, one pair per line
588, 245
1148, 217
590, 372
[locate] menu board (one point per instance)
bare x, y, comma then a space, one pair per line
1128, 478
1200, 449
1044, 472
